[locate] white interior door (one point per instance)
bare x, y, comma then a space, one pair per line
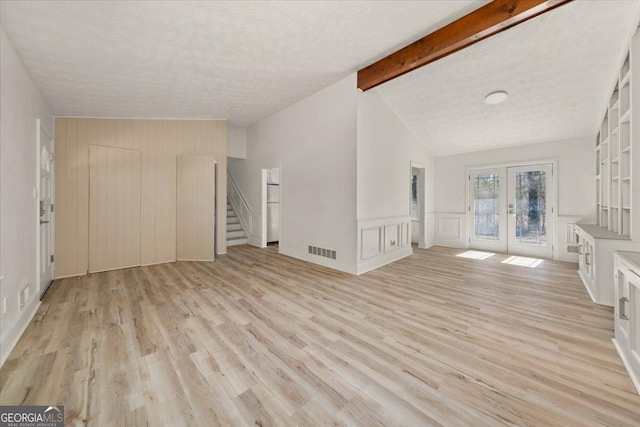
487, 207
45, 191
530, 212
510, 210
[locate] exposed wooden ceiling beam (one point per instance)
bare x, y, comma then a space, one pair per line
484, 22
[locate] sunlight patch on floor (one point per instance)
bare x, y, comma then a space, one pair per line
476, 255
523, 261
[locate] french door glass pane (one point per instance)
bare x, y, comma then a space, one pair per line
487, 207
530, 209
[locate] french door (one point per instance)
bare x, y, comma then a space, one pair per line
511, 210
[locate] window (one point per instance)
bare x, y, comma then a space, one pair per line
414, 198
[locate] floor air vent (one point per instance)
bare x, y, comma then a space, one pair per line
327, 253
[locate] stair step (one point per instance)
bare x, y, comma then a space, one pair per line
237, 241
236, 233
233, 220
234, 226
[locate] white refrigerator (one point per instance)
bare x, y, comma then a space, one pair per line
273, 213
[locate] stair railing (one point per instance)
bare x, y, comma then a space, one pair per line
239, 204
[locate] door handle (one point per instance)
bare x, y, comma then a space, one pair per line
43, 222
623, 310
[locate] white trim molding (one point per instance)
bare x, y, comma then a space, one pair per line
9, 341
382, 241
428, 239
450, 229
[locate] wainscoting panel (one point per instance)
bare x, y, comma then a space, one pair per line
430, 237
371, 240
392, 237
382, 241
255, 226
451, 230
405, 239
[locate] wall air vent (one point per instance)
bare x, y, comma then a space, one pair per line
327, 253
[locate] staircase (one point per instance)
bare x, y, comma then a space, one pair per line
235, 233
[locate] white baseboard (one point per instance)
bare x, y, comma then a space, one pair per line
634, 379
315, 259
425, 245
451, 244
69, 276
13, 336
255, 241
384, 259
566, 257
584, 282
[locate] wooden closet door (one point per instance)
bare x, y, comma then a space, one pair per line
195, 209
114, 208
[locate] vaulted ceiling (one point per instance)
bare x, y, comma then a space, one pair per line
558, 68
244, 61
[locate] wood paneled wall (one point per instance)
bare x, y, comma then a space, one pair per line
196, 208
114, 208
159, 143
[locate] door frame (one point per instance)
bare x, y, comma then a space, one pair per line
422, 216
554, 183
263, 205
52, 215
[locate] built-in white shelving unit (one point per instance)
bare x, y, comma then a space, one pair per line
617, 179
615, 151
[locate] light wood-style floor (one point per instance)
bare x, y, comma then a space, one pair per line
260, 339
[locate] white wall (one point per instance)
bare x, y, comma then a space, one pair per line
314, 144
20, 106
386, 148
576, 186
237, 143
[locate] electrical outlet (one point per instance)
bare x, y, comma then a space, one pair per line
5, 300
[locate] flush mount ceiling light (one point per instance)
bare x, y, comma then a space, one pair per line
496, 97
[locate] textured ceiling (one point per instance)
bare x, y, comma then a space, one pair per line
240, 61
558, 69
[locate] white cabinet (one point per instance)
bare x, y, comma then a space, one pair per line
595, 261
627, 312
